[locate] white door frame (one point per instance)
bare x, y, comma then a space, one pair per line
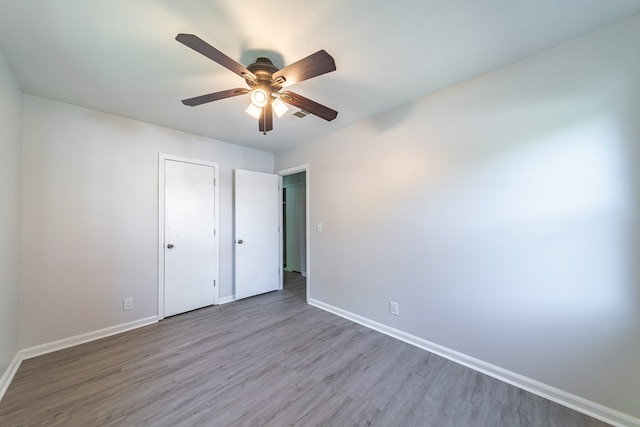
291, 171
162, 157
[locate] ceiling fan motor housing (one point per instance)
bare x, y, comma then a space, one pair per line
263, 69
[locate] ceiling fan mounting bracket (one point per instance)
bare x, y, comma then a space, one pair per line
262, 64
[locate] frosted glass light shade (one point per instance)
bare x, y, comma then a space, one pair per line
254, 111
279, 107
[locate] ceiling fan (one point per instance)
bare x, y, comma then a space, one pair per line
265, 83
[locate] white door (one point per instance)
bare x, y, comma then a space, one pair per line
189, 230
257, 236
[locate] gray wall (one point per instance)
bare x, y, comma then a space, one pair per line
10, 178
90, 216
501, 214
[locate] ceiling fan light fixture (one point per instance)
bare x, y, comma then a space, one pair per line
260, 96
254, 111
279, 107
265, 81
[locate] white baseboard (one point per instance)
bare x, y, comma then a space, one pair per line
9, 373
39, 350
561, 397
226, 300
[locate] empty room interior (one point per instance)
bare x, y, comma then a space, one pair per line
330, 213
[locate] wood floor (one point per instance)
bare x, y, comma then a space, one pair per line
269, 360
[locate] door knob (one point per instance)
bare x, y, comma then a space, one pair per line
240, 241
170, 246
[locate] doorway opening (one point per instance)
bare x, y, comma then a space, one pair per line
295, 254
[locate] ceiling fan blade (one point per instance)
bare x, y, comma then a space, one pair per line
308, 105
313, 65
265, 123
204, 48
203, 99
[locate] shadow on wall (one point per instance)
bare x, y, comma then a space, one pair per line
390, 120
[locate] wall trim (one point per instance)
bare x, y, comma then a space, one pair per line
593, 409
289, 171
50, 347
9, 373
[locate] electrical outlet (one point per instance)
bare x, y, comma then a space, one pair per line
128, 304
393, 308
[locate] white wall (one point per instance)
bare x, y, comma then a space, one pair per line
90, 216
502, 214
10, 178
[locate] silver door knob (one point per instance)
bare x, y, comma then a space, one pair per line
240, 241
170, 246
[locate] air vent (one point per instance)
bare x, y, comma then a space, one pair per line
301, 114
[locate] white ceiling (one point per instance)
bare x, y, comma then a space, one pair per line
120, 56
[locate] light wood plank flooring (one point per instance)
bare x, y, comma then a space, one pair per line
270, 360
